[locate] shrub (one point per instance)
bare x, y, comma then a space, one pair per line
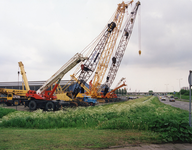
142, 114
5, 111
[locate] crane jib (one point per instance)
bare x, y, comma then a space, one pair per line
106, 40
121, 47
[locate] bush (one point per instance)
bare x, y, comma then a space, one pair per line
142, 114
5, 111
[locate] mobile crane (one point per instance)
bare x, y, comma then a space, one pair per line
15, 96
103, 47
46, 99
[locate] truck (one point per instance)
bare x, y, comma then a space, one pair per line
15, 96
12, 96
46, 99
88, 99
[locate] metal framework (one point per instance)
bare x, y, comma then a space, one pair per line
106, 55
90, 65
121, 48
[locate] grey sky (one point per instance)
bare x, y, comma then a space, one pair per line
45, 34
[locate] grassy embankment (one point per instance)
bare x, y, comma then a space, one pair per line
184, 98
142, 120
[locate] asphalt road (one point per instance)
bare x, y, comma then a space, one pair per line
178, 104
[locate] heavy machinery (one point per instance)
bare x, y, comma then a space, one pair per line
111, 96
102, 49
116, 60
15, 96
23, 73
12, 96
46, 99
106, 56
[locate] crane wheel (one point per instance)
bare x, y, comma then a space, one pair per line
32, 105
73, 104
49, 106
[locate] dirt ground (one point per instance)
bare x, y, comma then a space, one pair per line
19, 107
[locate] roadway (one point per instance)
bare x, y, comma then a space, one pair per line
178, 104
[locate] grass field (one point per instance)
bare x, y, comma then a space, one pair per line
14, 138
144, 120
183, 97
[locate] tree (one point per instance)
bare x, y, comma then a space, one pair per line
150, 92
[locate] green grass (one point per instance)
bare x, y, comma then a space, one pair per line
183, 97
146, 114
5, 111
14, 138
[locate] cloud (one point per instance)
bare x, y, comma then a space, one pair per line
46, 34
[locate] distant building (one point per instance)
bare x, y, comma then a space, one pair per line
185, 88
35, 85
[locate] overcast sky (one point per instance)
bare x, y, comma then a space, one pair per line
45, 34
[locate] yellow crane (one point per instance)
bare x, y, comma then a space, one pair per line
116, 60
16, 96
107, 53
23, 73
100, 55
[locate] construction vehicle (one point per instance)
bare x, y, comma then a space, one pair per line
111, 96
12, 96
106, 55
102, 49
116, 60
15, 96
23, 73
46, 99
80, 100
88, 99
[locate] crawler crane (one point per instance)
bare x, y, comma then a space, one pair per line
105, 57
116, 60
103, 48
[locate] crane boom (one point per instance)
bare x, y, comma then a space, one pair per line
61, 72
106, 55
108, 95
120, 82
23, 73
121, 48
90, 65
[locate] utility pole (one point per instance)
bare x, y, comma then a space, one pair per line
166, 87
190, 84
180, 87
